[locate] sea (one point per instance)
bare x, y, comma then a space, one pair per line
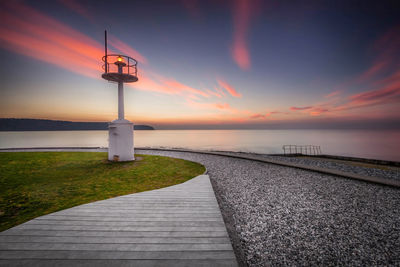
374, 144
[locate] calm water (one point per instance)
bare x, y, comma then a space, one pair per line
358, 143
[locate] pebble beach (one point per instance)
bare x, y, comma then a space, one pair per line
278, 215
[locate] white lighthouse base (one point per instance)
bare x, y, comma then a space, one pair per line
120, 141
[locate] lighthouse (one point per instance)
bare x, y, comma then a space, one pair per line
120, 69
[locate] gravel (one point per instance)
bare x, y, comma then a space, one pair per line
353, 167
285, 216
365, 169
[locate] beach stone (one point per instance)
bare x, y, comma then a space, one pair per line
285, 216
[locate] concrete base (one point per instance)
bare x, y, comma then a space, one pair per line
120, 141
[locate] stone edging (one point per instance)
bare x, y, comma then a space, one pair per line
377, 180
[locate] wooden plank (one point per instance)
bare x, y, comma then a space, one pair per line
111, 263
130, 223
22, 232
136, 255
113, 240
129, 219
120, 228
114, 247
175, 226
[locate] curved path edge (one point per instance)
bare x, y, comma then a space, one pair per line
179, 225
377, 180
371, 179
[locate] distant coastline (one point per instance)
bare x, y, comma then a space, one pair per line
10, 124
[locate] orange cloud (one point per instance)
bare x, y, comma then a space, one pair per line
179, 88
31, 33
214, 93
229, 88
167, 86
211, 106
318, 111
223, 106
34, 34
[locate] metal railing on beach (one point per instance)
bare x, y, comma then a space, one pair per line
301, 150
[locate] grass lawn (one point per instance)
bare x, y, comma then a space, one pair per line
37, 183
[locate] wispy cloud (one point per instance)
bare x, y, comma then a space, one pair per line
78, 8
389, 93
382, 77
258, 116
229, 88
216, 94
29, 32
167, 86
192, 6
318, 111
300, 108
333, 94
211, 106
126, 49
242, 12
372, 71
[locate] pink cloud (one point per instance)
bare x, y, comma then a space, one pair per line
241, 55
242, 12
220, 91
31, 33
126, 49
387, 51
222, 106
373, 70
258, 116
387, 94
387, 45
301, 108
192, 6
167, 86
229, 88
78, 8
333, 94
179, 88
216, 94
318, 111
34, 34
211, 106
383, 76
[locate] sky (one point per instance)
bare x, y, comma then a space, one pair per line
238, 64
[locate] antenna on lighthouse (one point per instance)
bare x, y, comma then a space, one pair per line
122, 69
105, 50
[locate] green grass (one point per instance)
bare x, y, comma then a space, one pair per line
37, 183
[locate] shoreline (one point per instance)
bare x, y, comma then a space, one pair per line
105, 149
384, 178
313, 212
276, 214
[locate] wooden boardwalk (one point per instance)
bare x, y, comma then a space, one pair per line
179, 225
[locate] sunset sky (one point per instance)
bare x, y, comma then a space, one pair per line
205, 64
